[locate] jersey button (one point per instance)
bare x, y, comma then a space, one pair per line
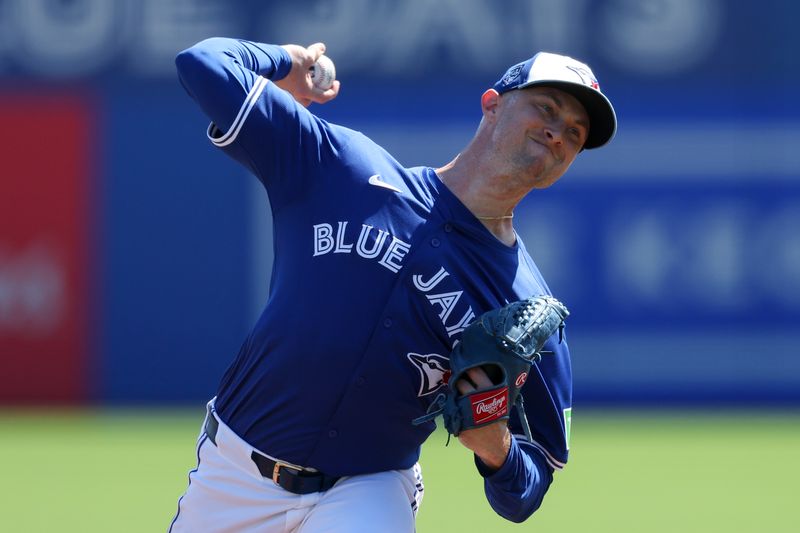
435, 242
387, 322
360, 381
333, 433
448, 227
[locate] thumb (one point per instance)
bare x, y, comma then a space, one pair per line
316, 50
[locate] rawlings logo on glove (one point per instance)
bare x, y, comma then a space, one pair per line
489, 406
505, 342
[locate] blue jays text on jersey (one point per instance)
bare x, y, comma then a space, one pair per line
378, 269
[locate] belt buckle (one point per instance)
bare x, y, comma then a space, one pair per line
276, 471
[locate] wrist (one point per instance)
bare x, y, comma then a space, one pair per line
495, 457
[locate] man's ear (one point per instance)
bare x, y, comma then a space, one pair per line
489, 102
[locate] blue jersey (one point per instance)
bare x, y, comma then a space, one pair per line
378, 269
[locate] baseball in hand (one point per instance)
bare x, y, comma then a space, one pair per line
323, 73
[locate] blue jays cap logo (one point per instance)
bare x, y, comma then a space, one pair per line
512, 74
586, 76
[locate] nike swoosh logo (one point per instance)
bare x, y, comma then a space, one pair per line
375, 179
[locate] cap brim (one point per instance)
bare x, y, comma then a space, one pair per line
602, 118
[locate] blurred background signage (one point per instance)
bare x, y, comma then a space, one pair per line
134, 257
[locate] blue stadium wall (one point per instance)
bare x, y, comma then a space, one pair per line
677, 247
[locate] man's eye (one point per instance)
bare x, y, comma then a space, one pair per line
547, 108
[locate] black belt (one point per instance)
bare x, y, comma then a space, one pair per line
286, 476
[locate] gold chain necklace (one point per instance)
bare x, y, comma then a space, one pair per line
503, 217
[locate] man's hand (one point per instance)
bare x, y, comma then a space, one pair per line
298, 82
491, 443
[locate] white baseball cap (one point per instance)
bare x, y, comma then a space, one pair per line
573, 77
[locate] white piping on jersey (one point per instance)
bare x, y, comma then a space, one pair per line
552, 461
238, 122
419, 489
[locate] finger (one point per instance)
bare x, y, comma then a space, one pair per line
316, 50
321, 96
464, 386
479, 377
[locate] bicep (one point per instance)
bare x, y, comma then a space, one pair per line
281, 142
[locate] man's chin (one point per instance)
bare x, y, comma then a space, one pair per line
543, 182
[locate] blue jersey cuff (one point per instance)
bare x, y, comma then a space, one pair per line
283, 64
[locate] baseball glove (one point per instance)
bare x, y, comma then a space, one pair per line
505, 342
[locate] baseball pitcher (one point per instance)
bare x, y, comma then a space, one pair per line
398, 295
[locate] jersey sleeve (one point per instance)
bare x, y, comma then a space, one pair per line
252, 120
517, 489
548, 404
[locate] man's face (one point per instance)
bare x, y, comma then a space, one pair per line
539, 131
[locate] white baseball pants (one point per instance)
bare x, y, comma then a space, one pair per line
227, 493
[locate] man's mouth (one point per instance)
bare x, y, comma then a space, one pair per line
548, 147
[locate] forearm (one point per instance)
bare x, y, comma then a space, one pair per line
516, 490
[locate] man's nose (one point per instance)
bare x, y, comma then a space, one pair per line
554, 134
